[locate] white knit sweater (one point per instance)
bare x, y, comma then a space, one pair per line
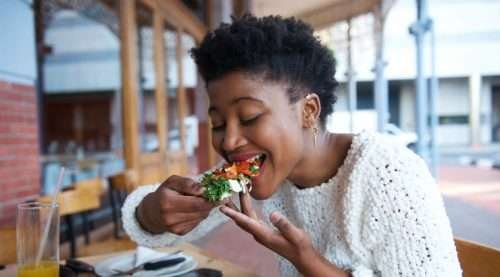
380, 215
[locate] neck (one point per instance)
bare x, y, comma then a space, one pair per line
321, 162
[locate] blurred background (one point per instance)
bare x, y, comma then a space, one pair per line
107, 89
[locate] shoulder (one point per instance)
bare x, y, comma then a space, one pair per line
376, 155
397, 185
383, 172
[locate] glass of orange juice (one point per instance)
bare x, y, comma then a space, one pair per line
34, 221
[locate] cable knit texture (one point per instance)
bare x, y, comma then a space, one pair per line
380, 215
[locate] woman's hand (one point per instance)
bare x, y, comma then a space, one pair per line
288, 240
177, 206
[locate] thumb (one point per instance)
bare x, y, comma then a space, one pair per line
184, 186
286, 228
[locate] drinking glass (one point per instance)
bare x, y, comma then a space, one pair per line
32, 219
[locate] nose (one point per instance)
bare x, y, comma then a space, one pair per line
233, 137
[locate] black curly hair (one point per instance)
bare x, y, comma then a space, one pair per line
279, 49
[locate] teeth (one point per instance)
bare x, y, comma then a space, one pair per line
258, 157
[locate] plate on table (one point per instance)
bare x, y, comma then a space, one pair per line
127, 261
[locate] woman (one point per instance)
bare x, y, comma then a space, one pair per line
338, 204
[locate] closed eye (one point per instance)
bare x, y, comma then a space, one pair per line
219, 128
250, 121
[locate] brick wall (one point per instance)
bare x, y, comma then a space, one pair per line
19, 153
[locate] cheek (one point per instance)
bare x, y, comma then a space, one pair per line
284, 143
217, 138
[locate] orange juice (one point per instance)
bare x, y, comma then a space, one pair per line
44, 269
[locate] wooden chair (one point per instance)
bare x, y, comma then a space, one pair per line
8, 240
73, 202
119, 186
477, 260
92, 187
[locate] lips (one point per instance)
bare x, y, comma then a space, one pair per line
245, 156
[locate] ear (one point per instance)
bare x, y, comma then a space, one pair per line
311, 110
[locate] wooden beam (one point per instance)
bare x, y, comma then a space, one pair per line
240, 7
177, 14
210, 22
159, 61
209, 14
326, 16
129, 54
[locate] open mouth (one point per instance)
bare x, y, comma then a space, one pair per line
257, 160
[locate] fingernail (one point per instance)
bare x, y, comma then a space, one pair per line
274, 217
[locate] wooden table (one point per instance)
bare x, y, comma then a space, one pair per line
204, 259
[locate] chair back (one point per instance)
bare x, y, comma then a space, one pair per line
125, 181
75, 201
477, 260
153, 174
92, 186
8, 240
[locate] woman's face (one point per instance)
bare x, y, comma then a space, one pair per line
252, 116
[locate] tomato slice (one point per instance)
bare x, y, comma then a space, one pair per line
231, 172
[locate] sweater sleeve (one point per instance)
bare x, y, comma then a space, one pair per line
142, 237
405, 227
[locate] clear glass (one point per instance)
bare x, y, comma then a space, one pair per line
31, 221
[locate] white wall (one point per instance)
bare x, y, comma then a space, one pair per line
453, 97
467, 40
85, 55
453, 100
17, 42
342, 98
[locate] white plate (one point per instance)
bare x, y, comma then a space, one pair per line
126, 261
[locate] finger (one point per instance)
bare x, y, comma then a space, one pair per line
181, 218
184, 185
231, 205
246, 205
286, 228
245, 222
174, 202
266, 236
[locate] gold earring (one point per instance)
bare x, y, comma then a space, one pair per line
315, 134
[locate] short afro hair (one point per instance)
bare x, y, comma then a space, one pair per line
280, 49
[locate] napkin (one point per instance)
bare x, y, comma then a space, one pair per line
145, 254
140, 256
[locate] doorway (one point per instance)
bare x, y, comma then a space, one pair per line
495, 113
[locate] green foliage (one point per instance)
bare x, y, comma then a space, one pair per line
215, 187
254, 169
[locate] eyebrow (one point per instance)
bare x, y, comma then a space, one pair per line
235, 101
